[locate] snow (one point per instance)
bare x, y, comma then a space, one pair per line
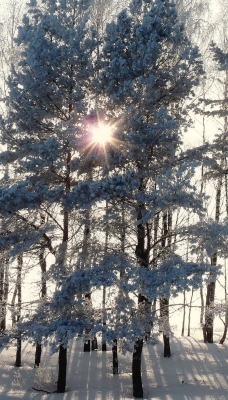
196, 371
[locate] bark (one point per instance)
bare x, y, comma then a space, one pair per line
4, 291
225, 275
94, 344
19, 270
226, 309
189, 313
115, 364
142, 252
87, 342
202, 306
61, 384
210, 296
184, 315
136, 369
38, 355
87, 346
104, 345
43, 266
164, 307
18, 353
222, 340
164, 302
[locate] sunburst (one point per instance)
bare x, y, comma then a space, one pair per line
101, 134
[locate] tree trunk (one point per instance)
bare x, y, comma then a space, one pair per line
164, 305
61, 384
202, 306
210, 297
136, 369
209, 316
142, 252
19, 270
18, 353
94, 343
38, 355
4, 290
115, 364
222, 340
189, 313
87, 342
164, 302
184, 314
43, 266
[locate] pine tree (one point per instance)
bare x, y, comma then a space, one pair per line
48, 100
148, 69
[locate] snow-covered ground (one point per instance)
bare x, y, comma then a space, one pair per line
196, 371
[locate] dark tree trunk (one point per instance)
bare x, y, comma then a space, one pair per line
167, 351
61, 384
94, 344
38, 355
142, 252
87, 346
210, 297
184, 314
104, 344
19, 270
209, 317
4, 291
136, 369
18, 353
43, 266
164, 304
115, 364
222, 340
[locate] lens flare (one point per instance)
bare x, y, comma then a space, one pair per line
101, 133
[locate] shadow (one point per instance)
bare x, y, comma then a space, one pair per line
195, 371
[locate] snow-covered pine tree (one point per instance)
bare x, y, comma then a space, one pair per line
48, 100
148, 68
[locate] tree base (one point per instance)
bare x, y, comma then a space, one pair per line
136, 370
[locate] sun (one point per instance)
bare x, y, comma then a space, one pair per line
102, 133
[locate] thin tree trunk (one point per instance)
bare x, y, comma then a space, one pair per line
164, 302
43, 266
84, 262
19, 270
225, 274
142, 252
210, 296
184, 315
189, 313
226, 309
104, 345
4, 290
61, 383
202, 306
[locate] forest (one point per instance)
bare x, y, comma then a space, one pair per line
114, 191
